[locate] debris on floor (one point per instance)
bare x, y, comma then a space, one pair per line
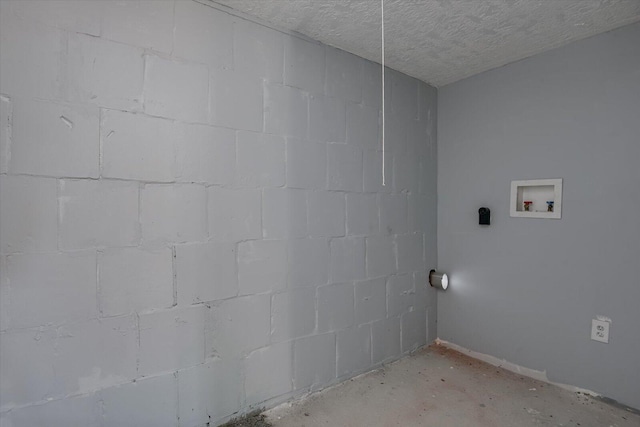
252, 419
423, 390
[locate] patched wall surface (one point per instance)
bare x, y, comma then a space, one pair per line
192, 215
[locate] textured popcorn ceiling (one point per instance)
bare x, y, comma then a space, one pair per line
442, 41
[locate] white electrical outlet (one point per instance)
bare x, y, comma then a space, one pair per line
600, 330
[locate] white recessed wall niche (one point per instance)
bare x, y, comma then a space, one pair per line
536, 198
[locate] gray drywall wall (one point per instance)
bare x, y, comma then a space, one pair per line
192, 216
524, 289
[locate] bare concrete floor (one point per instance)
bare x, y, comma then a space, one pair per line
441, 387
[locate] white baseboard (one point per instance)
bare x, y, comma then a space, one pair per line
521, 370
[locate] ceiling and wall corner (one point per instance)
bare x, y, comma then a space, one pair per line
128, 132
443, 41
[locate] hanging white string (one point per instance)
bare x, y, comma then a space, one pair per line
383, 116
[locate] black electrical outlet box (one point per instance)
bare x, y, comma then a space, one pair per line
484, 215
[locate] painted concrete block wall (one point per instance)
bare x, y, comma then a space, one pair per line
526, 289
192, 216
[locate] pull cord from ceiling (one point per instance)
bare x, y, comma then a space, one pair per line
383, 116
